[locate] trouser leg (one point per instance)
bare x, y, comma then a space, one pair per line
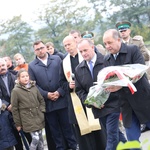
133, 132
67, 128
54, 125
50, 142
37, 141
111, 122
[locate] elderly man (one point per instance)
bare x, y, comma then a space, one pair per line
84, 78
125, 31
10, 65
135, 108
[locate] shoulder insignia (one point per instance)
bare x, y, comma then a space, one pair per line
138, 38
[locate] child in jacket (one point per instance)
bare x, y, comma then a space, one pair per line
28, 107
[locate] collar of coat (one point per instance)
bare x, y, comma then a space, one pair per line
123, 49
32, 83
49, 59
99, 60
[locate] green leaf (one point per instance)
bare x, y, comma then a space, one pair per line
128, 145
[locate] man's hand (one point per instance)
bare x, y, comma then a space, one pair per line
18, 128
53, 95
72, 84
113, 88
9, 107
56, 93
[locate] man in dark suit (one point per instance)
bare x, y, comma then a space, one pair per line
89, 140
135, 108
7, 82
44, 69
109, 114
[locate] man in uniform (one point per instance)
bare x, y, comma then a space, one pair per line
124, 30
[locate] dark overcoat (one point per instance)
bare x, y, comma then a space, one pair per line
11, 83
139, 102
47, 80
84, 81
7, 138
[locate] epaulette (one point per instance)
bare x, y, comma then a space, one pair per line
138, 38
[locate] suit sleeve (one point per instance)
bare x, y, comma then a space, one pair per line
33, 77
63, 81
82, 94
41, 101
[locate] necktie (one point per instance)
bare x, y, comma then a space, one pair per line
115, 56
91, 67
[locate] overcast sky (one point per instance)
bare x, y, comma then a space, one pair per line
10, 8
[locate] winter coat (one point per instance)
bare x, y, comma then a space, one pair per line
3, 90
7, 138
24, 66
47, 80
139, 102
83, 82
138, 41
28, 107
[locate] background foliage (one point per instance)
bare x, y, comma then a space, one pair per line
57, 19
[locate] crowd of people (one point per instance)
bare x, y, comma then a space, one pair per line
49, 93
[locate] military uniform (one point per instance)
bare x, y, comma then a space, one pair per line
138, 41
87, 35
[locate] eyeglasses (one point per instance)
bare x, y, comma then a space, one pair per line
38, 49
123, 31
